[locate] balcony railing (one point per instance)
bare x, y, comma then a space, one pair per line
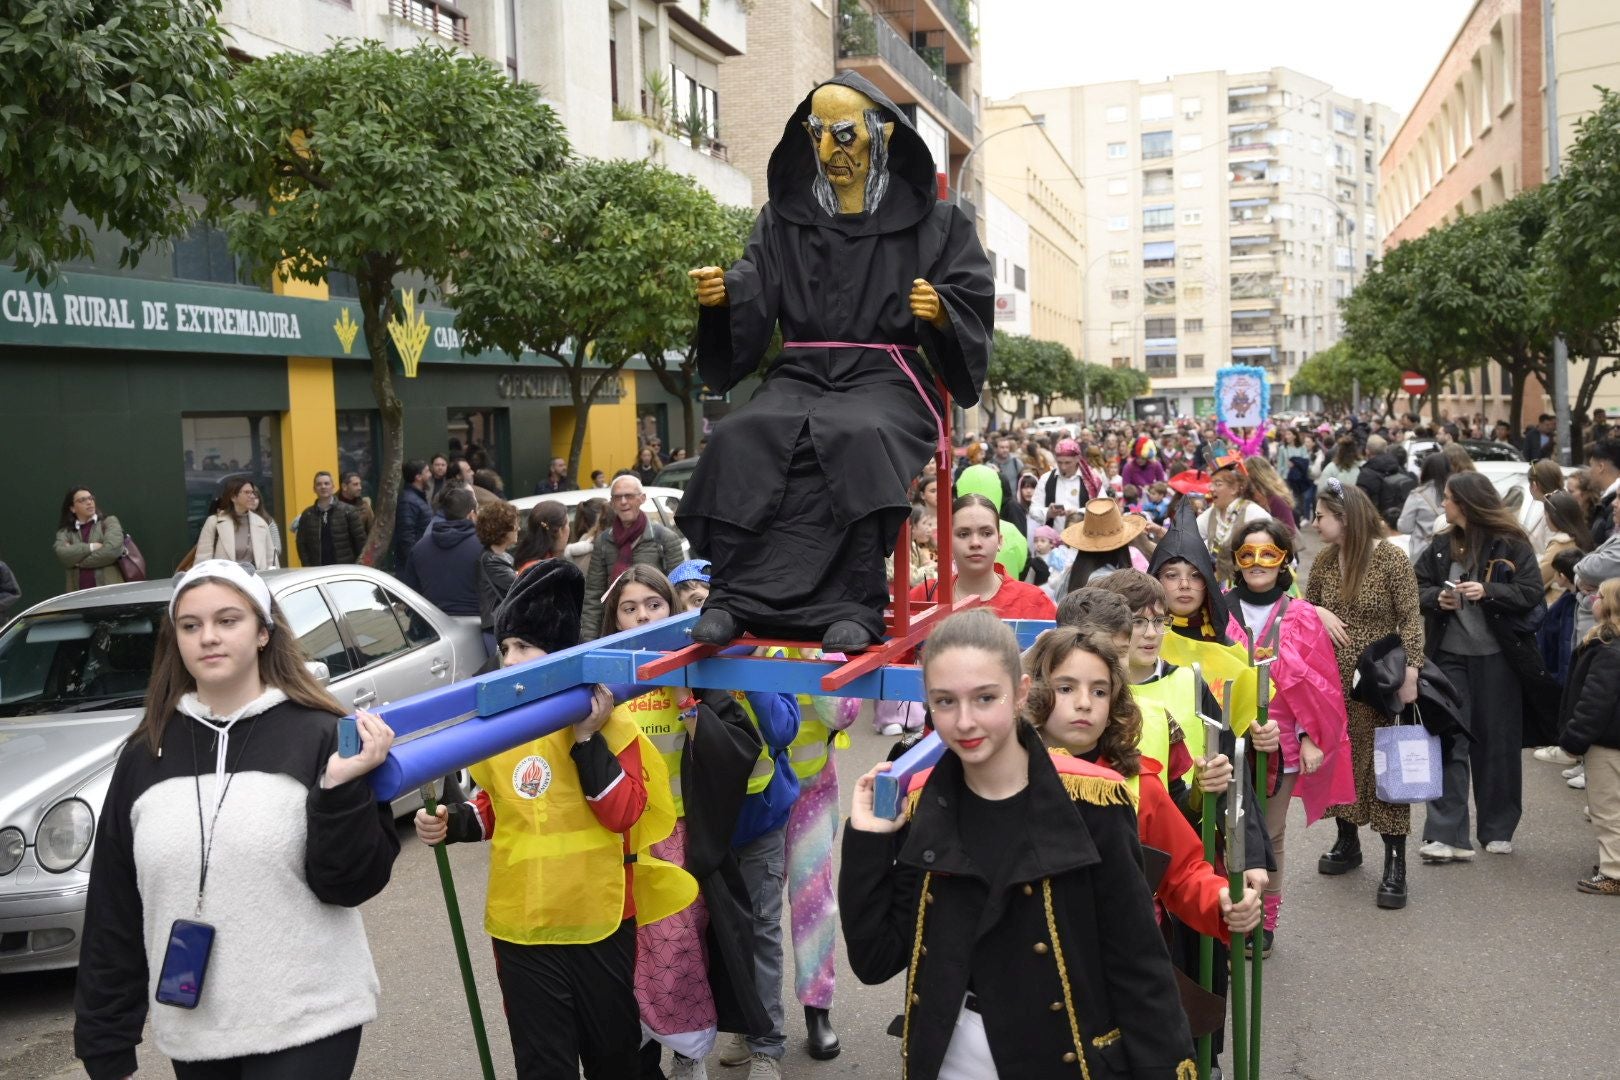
434, 16
861, 34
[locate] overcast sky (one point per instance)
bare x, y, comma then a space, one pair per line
1379, 50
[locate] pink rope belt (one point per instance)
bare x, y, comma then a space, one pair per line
897, 354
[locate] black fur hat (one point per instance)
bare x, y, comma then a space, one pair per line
543, 606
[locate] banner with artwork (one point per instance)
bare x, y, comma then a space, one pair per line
1243, 403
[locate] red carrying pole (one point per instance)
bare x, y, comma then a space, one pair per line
942, 499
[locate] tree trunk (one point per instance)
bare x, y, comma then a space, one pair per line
689, 417
1516, 401
377, 307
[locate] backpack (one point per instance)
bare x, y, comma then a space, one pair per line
1397, 486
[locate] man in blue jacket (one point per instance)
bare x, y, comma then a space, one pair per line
412, 513
443, 566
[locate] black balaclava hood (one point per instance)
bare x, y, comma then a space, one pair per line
1183, 541
912, 189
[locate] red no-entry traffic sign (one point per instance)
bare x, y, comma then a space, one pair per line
1413, 383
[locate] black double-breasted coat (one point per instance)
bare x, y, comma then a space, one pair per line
1064, 958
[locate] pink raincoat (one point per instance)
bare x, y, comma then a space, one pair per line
1307, 699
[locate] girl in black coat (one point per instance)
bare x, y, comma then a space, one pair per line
1480, 589
1591, 729
1011, 893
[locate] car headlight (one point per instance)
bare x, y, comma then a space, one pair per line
64, 835
12, 846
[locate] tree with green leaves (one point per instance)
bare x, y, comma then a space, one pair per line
606, 279
389, 166
1581, 251
1115, 387
1008, 376
1412, 309
1333, 373
717, 240
107, 108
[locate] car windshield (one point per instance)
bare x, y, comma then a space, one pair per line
76, 661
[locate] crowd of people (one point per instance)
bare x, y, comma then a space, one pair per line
682, 826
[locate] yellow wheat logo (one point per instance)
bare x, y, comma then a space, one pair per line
346, 329
410, 335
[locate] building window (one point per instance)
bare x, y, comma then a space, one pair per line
1158, 218
1119, 296
1192, 292
1115, 114
695, 103
1018, 277
1162, 327
1158, 182
1118, 332
1194, 179
204, 255
1119, 185
434, 16
1118, 223
1192, 217
1116, 150
1193, 326
1119, 259
1344, 121
1157, 106
1191, 106
1159, 291
1121, 361
1157, 144
1194, 361
216, 448
1190, 143
1161, 363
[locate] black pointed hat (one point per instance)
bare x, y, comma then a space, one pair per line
543, 606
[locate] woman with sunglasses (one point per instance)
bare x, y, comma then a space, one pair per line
1307, 701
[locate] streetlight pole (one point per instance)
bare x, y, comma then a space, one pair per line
1560, 361
967, 159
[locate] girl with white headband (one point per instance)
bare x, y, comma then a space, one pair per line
232, 853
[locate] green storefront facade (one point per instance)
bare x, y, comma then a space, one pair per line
151, 392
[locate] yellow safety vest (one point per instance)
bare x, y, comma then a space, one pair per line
1172, 696
808, 753
658, 716
765, 767
556, 876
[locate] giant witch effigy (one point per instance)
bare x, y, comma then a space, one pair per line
802, 491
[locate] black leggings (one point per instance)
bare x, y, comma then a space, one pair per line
331, 1058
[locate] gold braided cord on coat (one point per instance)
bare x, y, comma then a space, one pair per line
911, 978
1063, 978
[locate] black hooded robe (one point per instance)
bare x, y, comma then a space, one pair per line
802, 491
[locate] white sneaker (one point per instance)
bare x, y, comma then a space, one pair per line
734, 1051
764, 1067
1436, 852
1500, 847
1573, 771
1555, 755
886, 729
1578, 782
688, 1069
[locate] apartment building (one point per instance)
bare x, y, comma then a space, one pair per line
1007, 243
193, 406
630, 78
1042, 200
1227, 214
1478, 136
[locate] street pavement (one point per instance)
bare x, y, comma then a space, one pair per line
1498, 969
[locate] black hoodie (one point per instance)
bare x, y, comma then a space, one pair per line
1183, 541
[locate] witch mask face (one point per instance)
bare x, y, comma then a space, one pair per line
851, 141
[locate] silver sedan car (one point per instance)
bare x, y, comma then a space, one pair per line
73, 675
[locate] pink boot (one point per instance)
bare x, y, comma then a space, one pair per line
1271, 904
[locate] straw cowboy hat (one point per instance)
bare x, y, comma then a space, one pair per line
1103, 528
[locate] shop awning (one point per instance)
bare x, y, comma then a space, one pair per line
1250, 313
1159, 249
1261, 350
1240, 203
1261, 126
1248, 241
1247, 91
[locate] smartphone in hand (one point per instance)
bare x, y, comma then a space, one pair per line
348, 737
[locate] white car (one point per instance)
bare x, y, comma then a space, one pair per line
659, 503
1056, 426
73, 677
